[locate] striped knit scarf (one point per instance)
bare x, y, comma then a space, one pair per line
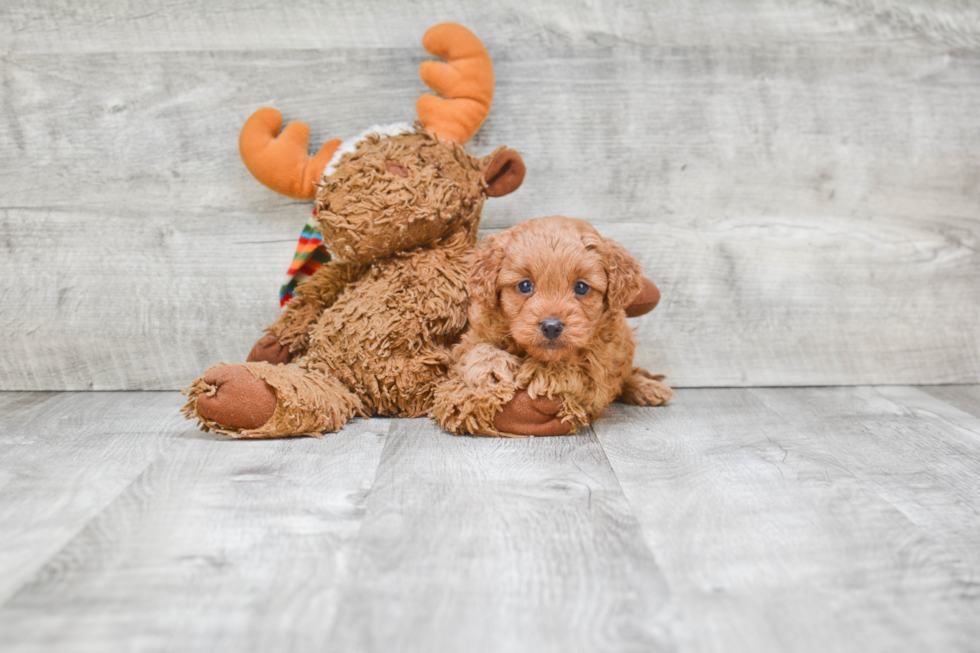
310, 256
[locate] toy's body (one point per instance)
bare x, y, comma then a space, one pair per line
382, 322
386, 335
548, 347
370, 339
370, 332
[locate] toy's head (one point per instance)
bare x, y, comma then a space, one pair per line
551, 283
397, 187
398, 192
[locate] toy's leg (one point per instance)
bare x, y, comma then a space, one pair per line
645, 389
258, 400
474, 391
523, 415
269, 350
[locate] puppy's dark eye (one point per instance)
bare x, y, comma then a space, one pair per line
581, 288
525, 287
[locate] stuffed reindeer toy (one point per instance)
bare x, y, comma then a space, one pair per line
370, 331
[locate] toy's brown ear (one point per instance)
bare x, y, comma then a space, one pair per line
505, 174
625, 276
645, 301
484, 267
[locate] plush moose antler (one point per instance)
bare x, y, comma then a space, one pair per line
465, 83
282, 161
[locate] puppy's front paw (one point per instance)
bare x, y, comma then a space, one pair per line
523, 415
644, 389
486, 364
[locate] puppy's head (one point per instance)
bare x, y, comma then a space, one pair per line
551, 281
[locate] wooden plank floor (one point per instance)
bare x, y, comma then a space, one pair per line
795, 519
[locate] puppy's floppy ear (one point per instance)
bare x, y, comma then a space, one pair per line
484, 266
624, 274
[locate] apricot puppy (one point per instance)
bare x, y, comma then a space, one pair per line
548, 347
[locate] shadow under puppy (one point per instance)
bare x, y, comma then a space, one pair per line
548, 347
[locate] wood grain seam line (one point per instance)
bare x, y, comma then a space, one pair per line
174, 441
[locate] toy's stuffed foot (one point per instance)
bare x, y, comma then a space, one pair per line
523, 415
645, 301
269, 350
645, 389
259, 400
235, 398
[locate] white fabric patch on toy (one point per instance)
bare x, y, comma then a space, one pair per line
350, 144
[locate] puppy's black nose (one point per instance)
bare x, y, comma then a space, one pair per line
551, 328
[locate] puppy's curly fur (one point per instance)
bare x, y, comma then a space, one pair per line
523, 284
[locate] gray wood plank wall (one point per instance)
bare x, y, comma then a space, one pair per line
802, 179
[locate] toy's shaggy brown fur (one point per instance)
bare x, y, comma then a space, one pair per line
506, 362
371, 331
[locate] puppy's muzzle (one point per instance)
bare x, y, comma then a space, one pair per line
551, 328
